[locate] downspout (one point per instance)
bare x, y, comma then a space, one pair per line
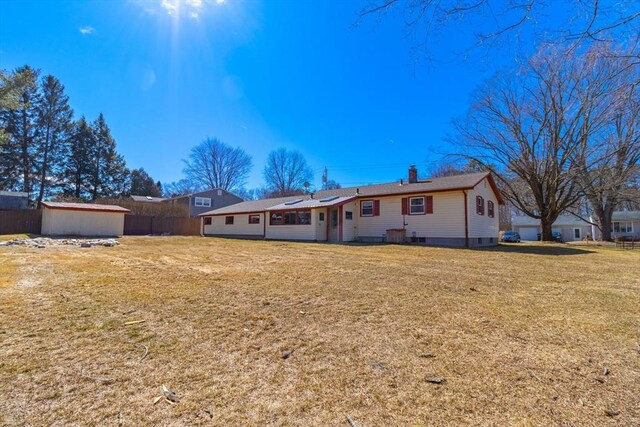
340, 223
264, 225
466, 220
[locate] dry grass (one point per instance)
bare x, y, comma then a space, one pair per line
520, 333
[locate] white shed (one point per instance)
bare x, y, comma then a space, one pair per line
82, 219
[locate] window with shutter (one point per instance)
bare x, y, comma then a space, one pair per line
479, 205
490, 209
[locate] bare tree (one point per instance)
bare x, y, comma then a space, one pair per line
529, 127
609, 161
287, 173
509, 22
214, 164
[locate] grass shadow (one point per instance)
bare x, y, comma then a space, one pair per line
540, 249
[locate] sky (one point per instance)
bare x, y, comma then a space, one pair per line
351, 95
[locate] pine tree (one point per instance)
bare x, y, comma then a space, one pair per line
54, 118
108, 174
76, 171
20, 123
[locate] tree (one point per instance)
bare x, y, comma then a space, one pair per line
529, 127
107, 169
608, 162
19, 122
54, 119
287, 172
77, 167
142, 184
180, 188
511, 23
214, 164
332, 185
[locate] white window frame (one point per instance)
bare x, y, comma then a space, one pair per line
627, 225
423, 206
370, 206
203, 202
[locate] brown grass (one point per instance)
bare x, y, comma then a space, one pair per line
521, 334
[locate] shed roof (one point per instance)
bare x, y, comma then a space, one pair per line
88, 207
449, 183
14, 194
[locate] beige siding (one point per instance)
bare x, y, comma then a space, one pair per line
240, 226
483, 225
446, 221
294, 232
58, 222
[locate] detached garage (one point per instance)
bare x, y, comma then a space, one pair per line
82, 219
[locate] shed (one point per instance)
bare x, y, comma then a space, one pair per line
82, 219
13, 200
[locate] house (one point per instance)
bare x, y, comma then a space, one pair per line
82, 219
13, 200
460, 211
572, 228
148, 199
204, 201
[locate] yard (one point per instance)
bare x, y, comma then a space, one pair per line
276, 333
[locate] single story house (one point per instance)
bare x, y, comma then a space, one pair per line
572, 228
82, 219
13, 200
204, 201
460, 211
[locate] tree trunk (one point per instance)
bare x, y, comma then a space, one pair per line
605, 220
547, 233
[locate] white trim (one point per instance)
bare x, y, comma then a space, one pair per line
424, 206
203, 202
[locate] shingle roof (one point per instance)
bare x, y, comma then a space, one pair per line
311, 203
148, 199
450, 183
85, 207
14, 194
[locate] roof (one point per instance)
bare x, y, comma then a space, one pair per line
449, 183
89, 207
572, 220
626, 215
148, 199
309, 203
200, 192
14, 194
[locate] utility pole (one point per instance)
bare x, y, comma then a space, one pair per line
325, 179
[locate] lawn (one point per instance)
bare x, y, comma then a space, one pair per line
520, 334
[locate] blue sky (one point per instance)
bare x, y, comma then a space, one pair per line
259, 75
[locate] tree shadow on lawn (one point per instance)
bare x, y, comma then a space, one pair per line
540, 249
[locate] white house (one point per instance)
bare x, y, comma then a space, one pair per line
572, 228
82, 219
451, 211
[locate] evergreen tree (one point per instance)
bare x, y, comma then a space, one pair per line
142, 184
54, 118
76, 171
20, 123
108, 173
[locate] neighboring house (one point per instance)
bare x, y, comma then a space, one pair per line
148, 199
13, 200
204, 201
572, 228
82, 219
452, 211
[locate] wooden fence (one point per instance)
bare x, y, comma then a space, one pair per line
21, 221
140, 225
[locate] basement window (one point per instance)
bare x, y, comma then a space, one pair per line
228, 220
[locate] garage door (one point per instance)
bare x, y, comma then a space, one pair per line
528, 233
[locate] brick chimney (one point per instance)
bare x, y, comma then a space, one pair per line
413, 174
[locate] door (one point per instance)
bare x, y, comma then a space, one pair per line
333, 225
528, 233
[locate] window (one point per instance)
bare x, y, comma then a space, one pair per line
204, 202
479, 205
321, 216
366, 208
622, 227
576, 233
290, 218
348, 215
416, 206
228, 220
254, 219
207, 220
490, 209
219, 192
